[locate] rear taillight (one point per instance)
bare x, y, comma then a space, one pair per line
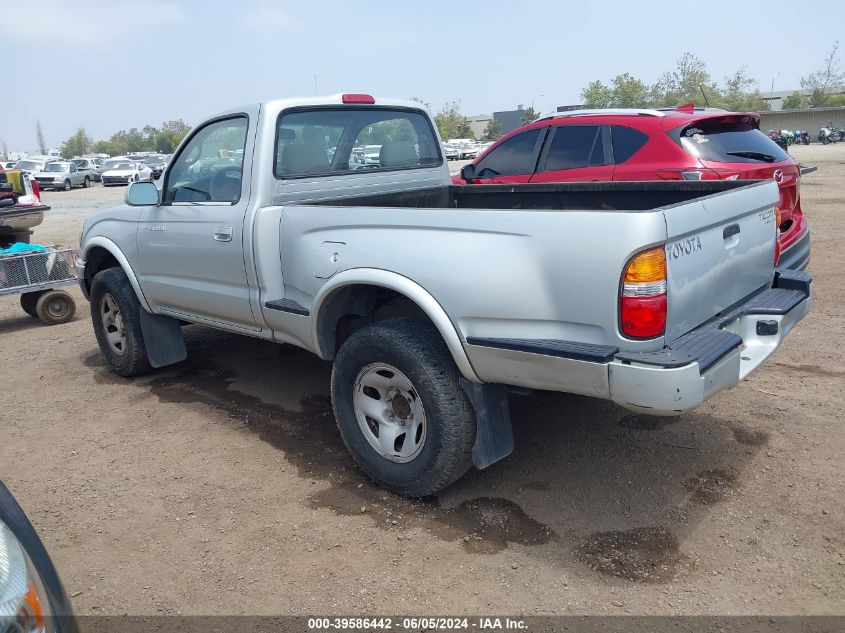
643, 305
687, 174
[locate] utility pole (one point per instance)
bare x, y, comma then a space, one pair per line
315, 85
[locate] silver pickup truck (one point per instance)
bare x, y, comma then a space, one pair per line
432, 300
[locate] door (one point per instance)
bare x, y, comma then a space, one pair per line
191, 246
512, 161
575, 153
75, 177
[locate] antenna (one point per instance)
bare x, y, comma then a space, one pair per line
704, 94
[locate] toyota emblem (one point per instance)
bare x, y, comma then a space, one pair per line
778, 176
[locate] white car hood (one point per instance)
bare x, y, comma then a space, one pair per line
119, 172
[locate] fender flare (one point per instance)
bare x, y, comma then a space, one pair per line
402, 285
106, 244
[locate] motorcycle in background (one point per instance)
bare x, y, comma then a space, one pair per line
778, 138
802, 136
829, 134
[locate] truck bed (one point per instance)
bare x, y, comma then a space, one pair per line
580, 196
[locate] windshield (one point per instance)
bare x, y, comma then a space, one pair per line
56, 167
120, 165
79, 163
730, 141
28, 164
154, 160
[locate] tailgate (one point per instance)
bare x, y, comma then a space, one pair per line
719, 250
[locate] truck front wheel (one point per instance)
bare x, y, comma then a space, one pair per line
400, 408
116, 317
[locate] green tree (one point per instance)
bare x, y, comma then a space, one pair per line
794, 101
170, 135
529, 114
685, 83
825, 81
451, 123
741, 93
597, 95
492, 130
76, 145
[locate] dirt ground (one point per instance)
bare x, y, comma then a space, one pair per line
221, 486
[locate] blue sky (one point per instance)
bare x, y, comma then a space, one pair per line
122, 64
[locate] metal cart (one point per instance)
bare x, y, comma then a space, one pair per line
35, 276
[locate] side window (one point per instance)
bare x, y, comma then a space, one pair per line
626, 142
210, 167
575, 146
513, 157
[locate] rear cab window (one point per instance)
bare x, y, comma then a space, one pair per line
728, 140
346, 140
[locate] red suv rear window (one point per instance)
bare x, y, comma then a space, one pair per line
728, 140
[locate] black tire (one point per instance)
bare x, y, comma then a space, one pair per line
87, 182
55, 307
133, 361
67, 185
416, 349
28, 301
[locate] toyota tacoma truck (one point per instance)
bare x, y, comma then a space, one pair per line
432, 301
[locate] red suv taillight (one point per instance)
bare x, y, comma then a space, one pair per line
642, 304
687, 174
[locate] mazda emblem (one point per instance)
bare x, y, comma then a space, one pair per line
778, 176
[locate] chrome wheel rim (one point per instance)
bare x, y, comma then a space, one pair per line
390, 412
113, 325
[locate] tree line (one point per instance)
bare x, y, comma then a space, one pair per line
163, 139
690, 81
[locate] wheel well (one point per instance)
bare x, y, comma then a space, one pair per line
98, 259
352, 307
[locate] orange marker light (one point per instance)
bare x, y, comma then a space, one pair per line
646, 267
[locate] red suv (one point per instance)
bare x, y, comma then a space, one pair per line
684, 143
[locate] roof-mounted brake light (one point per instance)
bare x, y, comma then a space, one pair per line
358, 98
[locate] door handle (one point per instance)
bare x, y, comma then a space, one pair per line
223, 233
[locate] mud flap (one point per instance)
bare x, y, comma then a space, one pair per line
163, 339
493, 436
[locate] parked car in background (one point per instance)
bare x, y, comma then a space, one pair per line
452, 152
371, 155
33, 164
123, 172
156, 163
469, 150
9, 164
87, 166
62, 174
684, 143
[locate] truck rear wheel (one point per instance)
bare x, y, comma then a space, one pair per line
400, 408
116, 317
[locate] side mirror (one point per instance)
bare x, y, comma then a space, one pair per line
468, 172
141, 194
